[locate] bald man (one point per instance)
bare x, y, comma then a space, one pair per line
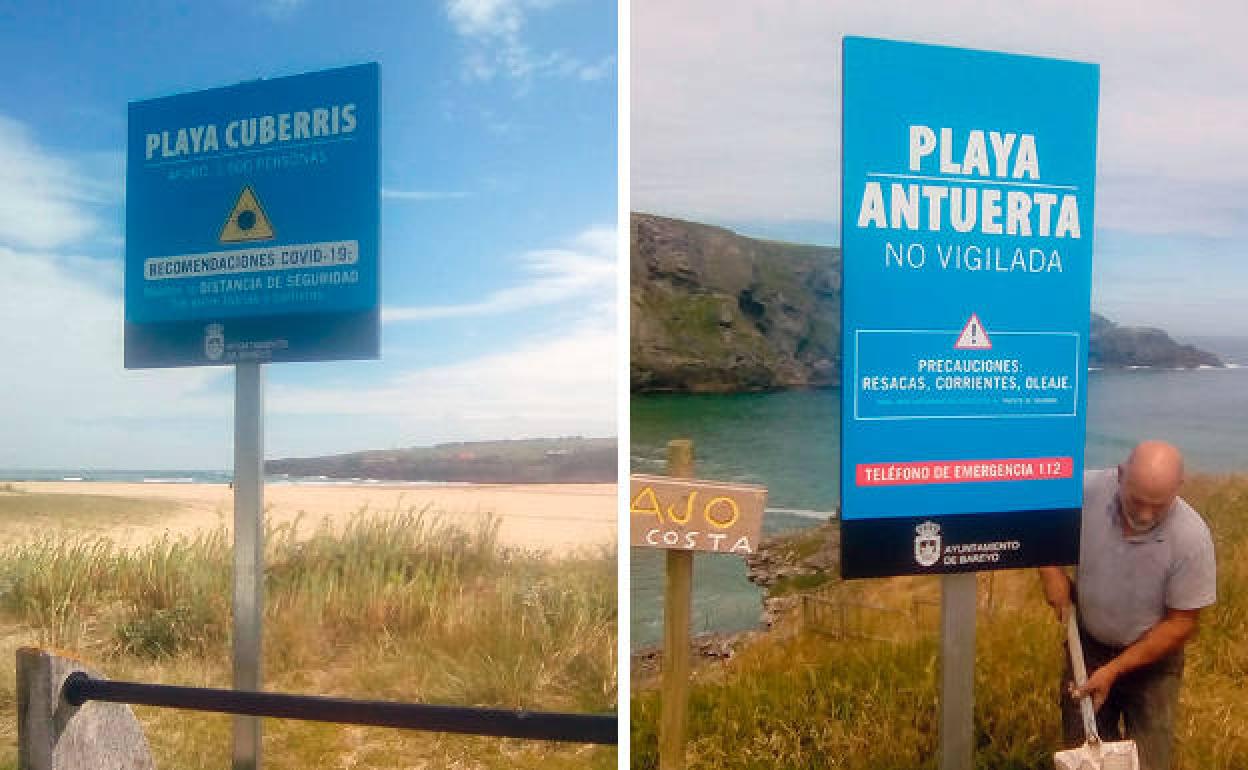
1146, 569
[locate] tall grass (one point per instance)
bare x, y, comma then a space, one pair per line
404, 605
811, 701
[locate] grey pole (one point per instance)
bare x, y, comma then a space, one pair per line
957, 670
248, 551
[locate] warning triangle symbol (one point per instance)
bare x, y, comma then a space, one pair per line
973, 336
247, 220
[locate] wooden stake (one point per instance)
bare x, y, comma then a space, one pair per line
677, 607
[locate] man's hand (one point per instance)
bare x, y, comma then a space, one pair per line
1056, 591
1097, 686
1168, 636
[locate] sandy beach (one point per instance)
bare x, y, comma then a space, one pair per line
552, 517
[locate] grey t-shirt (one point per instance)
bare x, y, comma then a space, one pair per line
1126, 584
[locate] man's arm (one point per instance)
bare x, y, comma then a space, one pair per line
1170, 634
1057, 590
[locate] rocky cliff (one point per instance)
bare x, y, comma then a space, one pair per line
713, 311
1112, 346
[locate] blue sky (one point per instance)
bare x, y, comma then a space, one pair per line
736, 121
498, 238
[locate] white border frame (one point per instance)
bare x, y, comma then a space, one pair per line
858, 418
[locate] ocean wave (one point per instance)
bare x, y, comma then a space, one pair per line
328, 482
803, 512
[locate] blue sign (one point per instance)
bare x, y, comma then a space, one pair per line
967, 218
253, 222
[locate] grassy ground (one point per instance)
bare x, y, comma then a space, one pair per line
22, 513
398, 606
815, 701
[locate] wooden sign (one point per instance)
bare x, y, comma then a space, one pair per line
695, 515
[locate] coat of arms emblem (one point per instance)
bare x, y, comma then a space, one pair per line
927, 544
214, 341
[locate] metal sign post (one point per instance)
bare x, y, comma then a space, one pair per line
253, 236
248, 552
968, 181
957, 670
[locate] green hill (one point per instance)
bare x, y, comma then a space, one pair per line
525, 461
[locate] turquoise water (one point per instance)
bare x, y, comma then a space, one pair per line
788, 442
117, 475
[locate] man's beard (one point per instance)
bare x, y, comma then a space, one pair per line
1136, 527
1133, 524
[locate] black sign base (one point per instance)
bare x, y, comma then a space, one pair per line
964, 542
339, 336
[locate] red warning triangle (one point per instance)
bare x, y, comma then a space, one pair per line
973, 336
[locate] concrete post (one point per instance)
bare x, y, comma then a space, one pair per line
53, 735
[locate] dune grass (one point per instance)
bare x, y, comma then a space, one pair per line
397, 606
813, 701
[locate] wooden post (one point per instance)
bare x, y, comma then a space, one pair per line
677, 606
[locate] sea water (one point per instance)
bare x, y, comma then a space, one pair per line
788, 441
164, 476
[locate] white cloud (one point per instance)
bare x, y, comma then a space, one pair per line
560, 386
66, 396
66, 393
736, 106
43, 199
67, 401
604, 68
585, 271
494, 33
499, 19
420, 195
559, 381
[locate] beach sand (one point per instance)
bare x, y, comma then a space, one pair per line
558, 518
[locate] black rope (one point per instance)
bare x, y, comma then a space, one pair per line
531, 725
